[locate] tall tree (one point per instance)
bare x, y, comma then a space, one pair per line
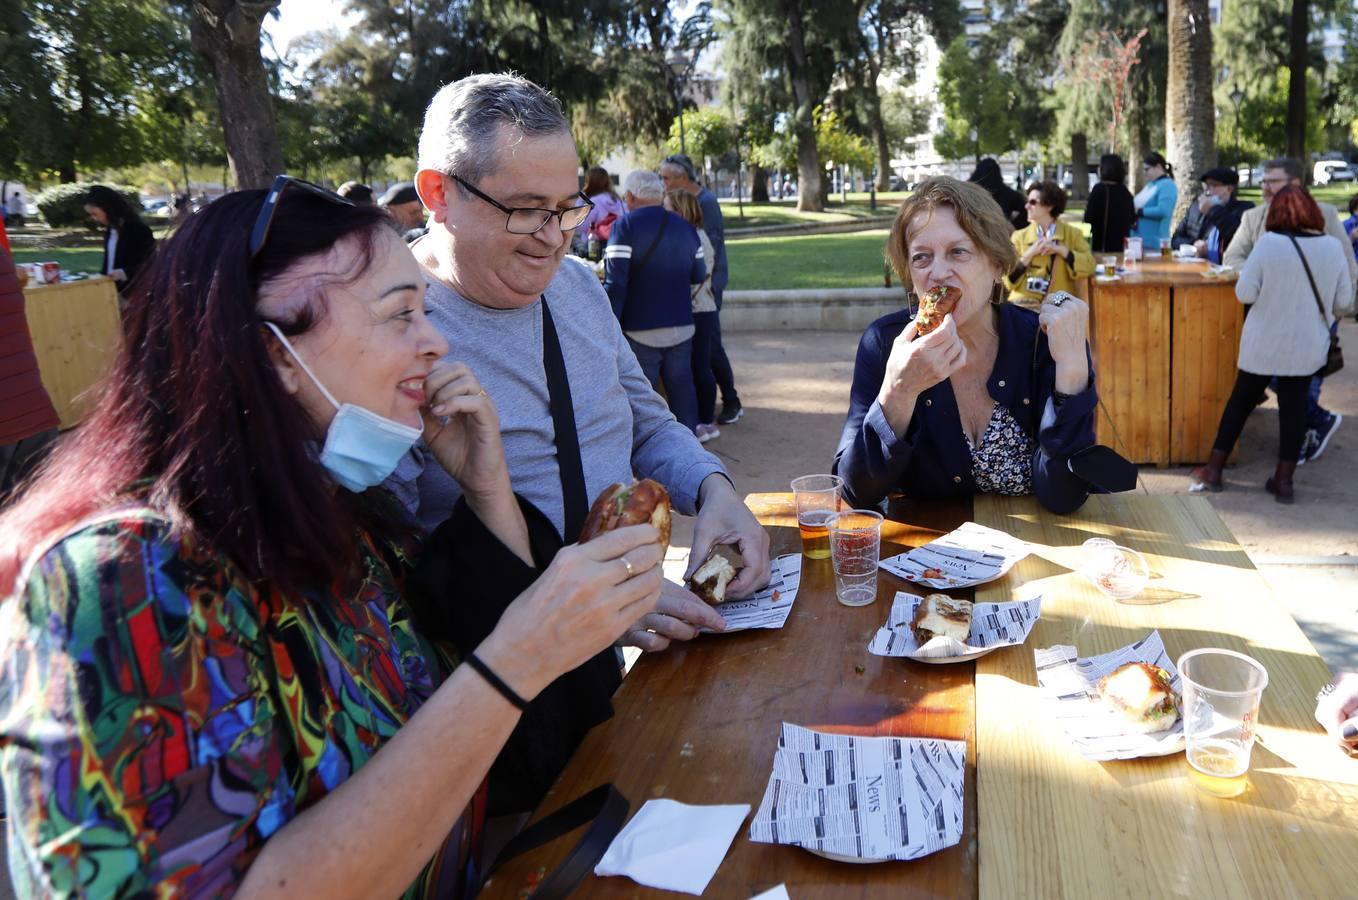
1190, 116
226, 33
1296, 84
809, 172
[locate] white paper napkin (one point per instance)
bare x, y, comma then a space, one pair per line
778, 893
674, 846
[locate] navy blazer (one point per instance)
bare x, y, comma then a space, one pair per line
933, 459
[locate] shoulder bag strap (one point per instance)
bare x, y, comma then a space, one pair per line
1320, 305
574, 497
604, 806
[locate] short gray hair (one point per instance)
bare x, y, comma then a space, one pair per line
1288, 165
643, 184
463, 122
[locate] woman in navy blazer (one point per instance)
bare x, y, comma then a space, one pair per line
996, 399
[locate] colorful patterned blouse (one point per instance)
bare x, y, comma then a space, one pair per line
160, 717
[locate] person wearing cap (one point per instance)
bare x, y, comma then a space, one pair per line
1222, 211
402, 202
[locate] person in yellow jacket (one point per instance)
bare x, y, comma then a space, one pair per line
1053, 255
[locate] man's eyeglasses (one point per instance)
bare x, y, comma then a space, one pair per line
260, 233
531, 220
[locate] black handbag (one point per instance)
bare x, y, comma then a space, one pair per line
1334, 358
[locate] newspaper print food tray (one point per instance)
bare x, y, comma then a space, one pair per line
973, 554
862, 799
770, 607
1071, 689
993, 625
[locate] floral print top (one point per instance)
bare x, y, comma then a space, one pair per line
161, 716
1003, 464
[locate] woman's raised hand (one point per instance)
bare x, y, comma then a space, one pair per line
462, 429
918, 363
587, 598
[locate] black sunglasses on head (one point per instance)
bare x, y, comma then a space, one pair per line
260, 233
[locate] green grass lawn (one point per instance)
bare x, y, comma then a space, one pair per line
808, 261
72, 259
784, 212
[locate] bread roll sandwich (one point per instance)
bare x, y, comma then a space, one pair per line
1143, 694
711, 578
621, 505
934, 304
940, 615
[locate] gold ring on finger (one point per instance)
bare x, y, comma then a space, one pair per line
628, 564
481, 393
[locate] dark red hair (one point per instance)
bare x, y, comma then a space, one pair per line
1292, 209
194, 420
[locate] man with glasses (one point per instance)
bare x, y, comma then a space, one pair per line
1321, 424
498, 171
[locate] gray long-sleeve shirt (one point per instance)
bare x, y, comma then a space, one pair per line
624, 427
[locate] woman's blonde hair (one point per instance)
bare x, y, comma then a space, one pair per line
686, 205
977, 212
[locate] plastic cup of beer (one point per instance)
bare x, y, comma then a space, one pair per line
1221, 691
855, 548
1166, 248
1110, 265
817, 498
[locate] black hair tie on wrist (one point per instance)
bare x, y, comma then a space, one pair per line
496, 682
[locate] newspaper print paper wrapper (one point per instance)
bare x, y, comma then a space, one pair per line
973, 554
862, 797
1071, 686
771, 606
992, 625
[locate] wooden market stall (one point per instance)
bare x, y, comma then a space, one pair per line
1164, 342
76, 327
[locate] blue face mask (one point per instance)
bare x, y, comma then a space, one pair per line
361, 448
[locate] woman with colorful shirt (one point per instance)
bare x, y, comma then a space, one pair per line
996, 399
215, 679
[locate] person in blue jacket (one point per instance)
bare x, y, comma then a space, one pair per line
996, 399
1155, 202
652, 258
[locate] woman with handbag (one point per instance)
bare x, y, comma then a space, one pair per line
1294, 279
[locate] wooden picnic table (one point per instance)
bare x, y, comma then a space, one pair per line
1164, 342
700, 722
76, 328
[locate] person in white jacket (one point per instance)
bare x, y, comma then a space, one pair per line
1295, 279
1321, 424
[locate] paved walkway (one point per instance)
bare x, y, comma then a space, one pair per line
795, 388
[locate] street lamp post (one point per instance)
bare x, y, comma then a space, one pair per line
1236, 96
681, 67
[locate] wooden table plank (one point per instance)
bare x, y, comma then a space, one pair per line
1054, 825
1208, 320
76, 328
699, 724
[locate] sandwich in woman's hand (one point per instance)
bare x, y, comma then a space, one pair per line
620, 505
1144, 694
720, 569
934, 304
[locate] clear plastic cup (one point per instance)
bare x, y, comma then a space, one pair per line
855, 549
818, 497
1110, 265
1221, 693
1119, 573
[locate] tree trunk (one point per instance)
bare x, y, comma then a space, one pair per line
1189, 111
759, 184
879, 137
1296, 83
226, 33
810, 190
1079, 158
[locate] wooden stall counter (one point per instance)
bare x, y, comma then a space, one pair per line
76, 328
1164, 341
